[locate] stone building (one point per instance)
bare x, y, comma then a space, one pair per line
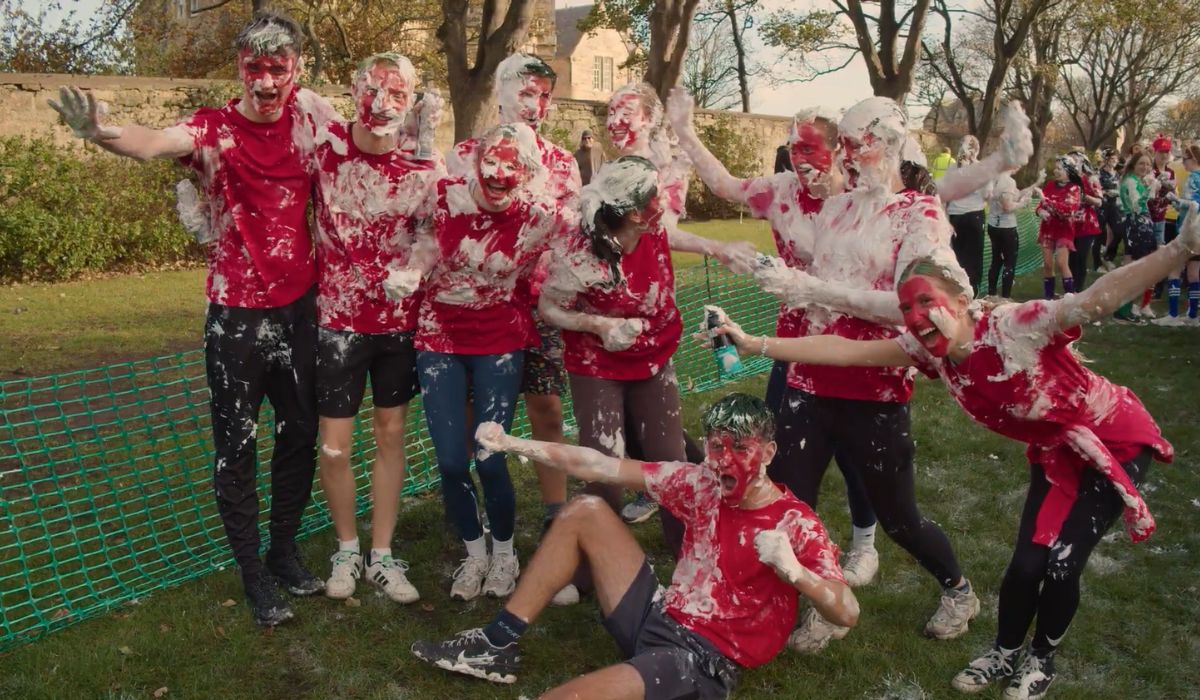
588, 65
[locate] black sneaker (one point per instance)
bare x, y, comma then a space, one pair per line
471, 654
987, 669
1032, 678
265, 602
292, 574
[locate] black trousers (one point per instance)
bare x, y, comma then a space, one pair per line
1043, 582
1005, 244
1114, 223
251, 354
968, 244
1079, 258
875, 440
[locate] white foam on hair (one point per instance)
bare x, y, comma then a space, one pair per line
510, 75
268, 38
877, 123
615, 185
528, 153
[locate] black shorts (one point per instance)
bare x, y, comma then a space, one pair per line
544, 374
674, 662
344, 359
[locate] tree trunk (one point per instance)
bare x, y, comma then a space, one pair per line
670, 22
740, 46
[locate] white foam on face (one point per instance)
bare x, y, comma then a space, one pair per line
511, 75
880, 127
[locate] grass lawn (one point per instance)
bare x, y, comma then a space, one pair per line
1135, 636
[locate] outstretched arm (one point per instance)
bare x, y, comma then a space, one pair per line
833, 599
85, 115
797, 288
814, 350
1015, 149
711, 170
1107, 293
583, 463
738, 256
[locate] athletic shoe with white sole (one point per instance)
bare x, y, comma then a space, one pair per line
502, 576
953, 615
985, 670
389, 575
1170, 321
814, 633
567, 595
468, 578
471, 654
268, 607
292, 574
860, 566
1033, 677
1148, 312
639, 510
344, 574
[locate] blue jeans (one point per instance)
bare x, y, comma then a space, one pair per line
495, 380
1160, 232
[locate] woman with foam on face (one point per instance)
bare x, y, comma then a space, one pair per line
1138, 185
1061, 211
1011, 367
611, 289
487, 231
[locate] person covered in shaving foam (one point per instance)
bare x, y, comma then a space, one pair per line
751, 549
611, 290
867, 237
790, 202
1061, 213
1090, 442
636, 127
966, 216
487, 232
371, 198
253, 161
523, 88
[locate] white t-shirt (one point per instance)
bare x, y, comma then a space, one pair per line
968, 204
997, 217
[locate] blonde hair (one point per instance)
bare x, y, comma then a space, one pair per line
665, 151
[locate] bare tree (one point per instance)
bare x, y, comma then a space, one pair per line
1035, 78
818, 42
1005, 26
501, 31
1181, 119
738, 16
710, 71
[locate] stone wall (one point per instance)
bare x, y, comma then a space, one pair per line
160, 102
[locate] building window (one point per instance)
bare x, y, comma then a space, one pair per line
602, 73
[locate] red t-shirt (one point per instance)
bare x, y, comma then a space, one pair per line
646, 291
1157, 206
720, 590
1065, 205
1022, 380
786, 204
865, 243
1089, 225
368, 207
256, 178
470, 307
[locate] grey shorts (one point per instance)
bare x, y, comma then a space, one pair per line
674, 662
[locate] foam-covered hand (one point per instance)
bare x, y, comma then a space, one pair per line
679, 109
619, 334
430, 110
793, 287
192, 213
1016, 143
738, 256
774, 549
84, 114
1189, 235
403, 283
491, 436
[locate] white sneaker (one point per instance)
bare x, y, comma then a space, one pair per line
860, 566
569, 595
814, 633
1148, 312
953, 615
343, 578
388, 574
468, 578
1170, 321
502, 577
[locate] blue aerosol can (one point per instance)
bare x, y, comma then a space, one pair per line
728, 362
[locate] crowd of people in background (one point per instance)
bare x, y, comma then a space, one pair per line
511, 269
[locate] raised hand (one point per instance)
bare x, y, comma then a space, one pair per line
402, 283
794, 287
774, 549
1016, 143
679, 109
84, 114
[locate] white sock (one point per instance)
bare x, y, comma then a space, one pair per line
348, 545
378, 553
864, 538
476, 548
504, 547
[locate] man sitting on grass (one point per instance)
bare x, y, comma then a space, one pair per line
749, 547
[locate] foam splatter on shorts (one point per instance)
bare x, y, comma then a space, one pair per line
544, 373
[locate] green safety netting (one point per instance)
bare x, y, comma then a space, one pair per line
105, 474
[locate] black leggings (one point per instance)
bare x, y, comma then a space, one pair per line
251, 354
1078, 259
1005, 244
968, 244
875, 440
1115, 223
1043, 582
861, 513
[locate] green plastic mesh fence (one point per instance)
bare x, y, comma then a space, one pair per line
105, 474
